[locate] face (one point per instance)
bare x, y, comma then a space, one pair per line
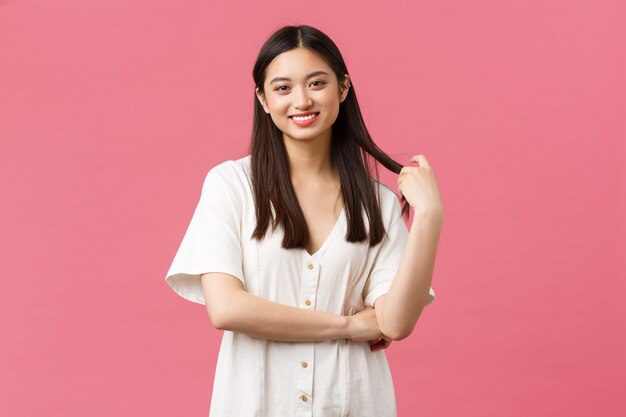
300, 81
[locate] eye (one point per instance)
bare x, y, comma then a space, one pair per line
318, 81
279, 88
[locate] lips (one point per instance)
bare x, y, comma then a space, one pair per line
305, 122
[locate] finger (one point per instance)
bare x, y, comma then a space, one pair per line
421, 160
376, 346
379, 346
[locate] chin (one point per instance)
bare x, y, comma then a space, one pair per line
302, 136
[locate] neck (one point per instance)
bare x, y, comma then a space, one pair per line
309, 160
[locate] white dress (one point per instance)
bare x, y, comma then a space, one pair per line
257, 377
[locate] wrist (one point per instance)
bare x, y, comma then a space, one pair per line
344, 327
430, 210
431, 218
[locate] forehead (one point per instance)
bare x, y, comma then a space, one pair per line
296, 64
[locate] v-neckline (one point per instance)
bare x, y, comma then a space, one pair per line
328, 239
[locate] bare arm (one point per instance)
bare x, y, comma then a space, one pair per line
231, 308
399, 309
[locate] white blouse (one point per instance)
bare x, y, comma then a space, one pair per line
259, 377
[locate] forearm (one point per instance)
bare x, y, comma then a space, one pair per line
401, 307
259, 317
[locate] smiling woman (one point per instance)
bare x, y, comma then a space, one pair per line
296, 241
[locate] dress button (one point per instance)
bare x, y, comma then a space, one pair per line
304, 364
304, 398
307, 302
310, 266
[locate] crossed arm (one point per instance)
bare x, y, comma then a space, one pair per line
231, 308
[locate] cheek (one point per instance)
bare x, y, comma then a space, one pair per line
280, 108
332, 108
330, 102
278, 120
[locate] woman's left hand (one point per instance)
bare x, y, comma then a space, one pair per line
380, 344
418, 185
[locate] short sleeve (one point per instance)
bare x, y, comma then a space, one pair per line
212, 242
387, 259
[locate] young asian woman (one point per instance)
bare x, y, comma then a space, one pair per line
300, 255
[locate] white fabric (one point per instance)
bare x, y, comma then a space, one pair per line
259, 377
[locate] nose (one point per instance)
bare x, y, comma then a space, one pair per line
302, 99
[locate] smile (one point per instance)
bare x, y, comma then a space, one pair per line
304, 121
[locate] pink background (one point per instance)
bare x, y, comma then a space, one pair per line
112, 112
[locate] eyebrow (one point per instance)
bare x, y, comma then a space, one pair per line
313, 74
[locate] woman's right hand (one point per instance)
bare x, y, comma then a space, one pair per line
363, 326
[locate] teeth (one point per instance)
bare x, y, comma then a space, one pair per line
309, 117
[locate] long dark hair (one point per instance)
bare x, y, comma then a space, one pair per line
352, 150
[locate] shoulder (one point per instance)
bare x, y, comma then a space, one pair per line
384, 190
229, 176
232, 171
231, 167
388, 200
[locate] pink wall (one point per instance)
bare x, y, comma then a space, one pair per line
111, 113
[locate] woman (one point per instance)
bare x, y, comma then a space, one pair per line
299, 255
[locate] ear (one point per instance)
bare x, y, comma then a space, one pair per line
345, 88
261, 97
